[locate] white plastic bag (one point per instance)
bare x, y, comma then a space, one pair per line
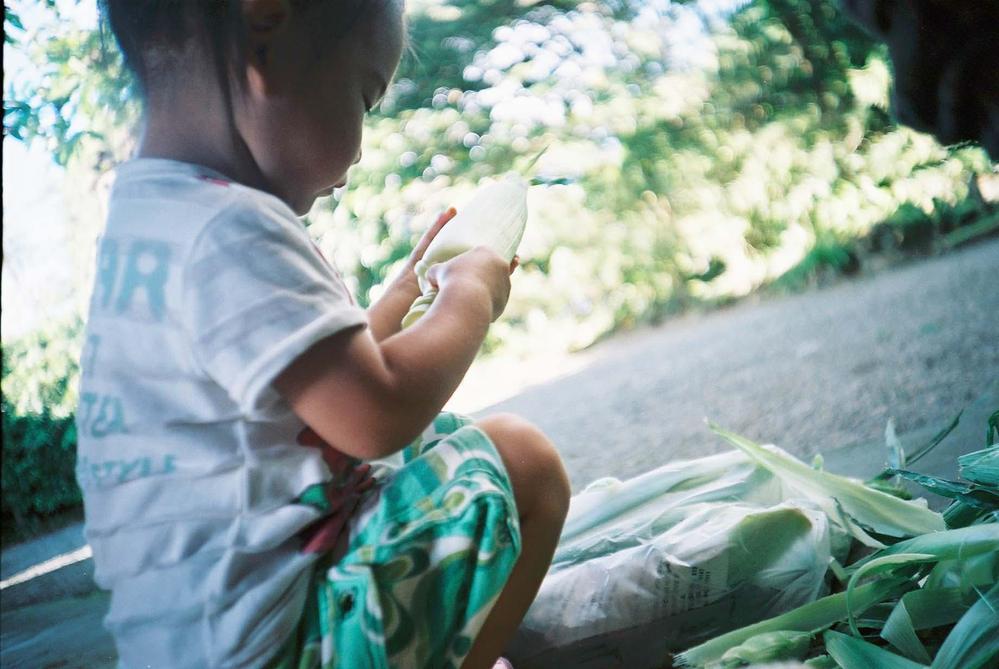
657, 563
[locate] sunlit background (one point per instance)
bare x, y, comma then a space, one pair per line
697, 152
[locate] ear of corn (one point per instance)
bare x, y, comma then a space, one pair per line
495, 217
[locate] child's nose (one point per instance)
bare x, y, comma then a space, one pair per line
357, 158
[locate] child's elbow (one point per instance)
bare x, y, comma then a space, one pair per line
382, 437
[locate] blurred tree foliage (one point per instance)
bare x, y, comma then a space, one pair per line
40, 374
704, 148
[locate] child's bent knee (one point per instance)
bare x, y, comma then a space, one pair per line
533, 463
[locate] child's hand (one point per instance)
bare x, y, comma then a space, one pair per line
480, 266
428, 236
431, 233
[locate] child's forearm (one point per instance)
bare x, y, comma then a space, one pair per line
430, 358
385, 315
369, 399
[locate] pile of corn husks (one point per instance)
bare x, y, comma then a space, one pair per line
737, 552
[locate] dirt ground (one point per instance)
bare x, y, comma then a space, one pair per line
809, 372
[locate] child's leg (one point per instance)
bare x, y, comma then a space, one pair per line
541, 488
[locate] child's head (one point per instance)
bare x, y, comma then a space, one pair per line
289, 80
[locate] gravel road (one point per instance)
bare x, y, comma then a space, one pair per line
809, 372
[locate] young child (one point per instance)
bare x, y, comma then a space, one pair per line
231, 386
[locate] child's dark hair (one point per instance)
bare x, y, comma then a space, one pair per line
141, 26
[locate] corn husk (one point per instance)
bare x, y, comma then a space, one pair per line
854, 504
768, 647
495, 216
908, 593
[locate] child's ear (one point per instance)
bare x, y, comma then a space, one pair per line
265, 20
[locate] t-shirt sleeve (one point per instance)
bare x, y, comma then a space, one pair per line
257, 294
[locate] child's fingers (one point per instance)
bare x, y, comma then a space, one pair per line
340, 464
445, 216
325, 538
359, 474
335, 499
429, 235
433, 275
326, 534
362, 482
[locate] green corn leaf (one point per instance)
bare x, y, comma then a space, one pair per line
812, 617
922, 451
981, 467
768, 647
878, 565
977, 496
940, 436
974, 641
840, 516
896, 454
922, 609
876, 510
838, 570
875, 617
535, 159
889, 486
551, 181
959, 514
852, 653
961, 543
821, 662
969, 573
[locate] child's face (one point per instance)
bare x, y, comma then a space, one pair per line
305, 105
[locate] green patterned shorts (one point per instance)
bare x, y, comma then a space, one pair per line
428, 554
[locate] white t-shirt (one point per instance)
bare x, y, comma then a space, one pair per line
205, 291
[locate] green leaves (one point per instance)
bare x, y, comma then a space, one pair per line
932, 599
920, 610
836, 495
673, 186
768, 647
11, 24
74, 96
985, 497
812, 617
981, 467
853, 653
974, 641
